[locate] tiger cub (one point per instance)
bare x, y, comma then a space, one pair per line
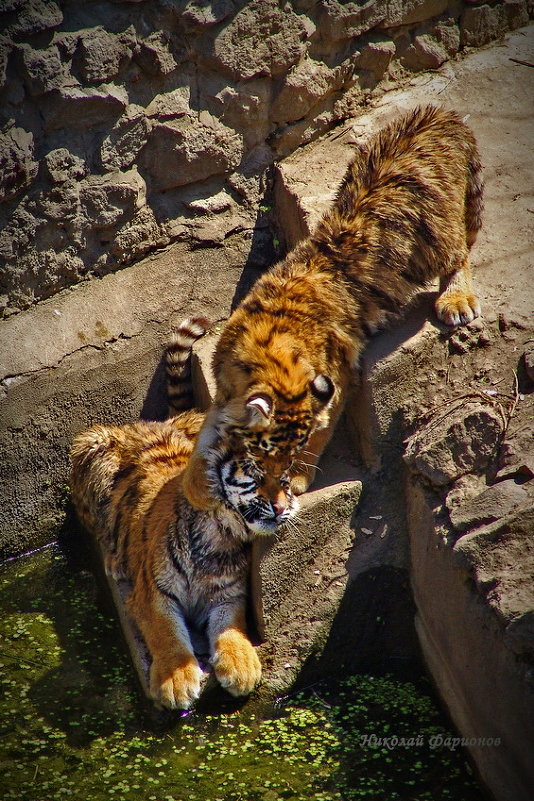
186, 567
408, 210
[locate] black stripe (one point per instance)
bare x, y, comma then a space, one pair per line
290, 399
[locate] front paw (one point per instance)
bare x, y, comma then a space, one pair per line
457, 308
236, 664
175, 684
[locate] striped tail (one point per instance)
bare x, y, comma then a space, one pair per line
178, 363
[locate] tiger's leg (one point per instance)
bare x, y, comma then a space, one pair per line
175, 674
234, 658
457, 304
305, 463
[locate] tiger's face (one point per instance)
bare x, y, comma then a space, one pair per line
257, 490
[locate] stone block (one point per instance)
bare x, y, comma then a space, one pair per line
453, 443
305, 84
154, 54
100, 55
478, 25
18, 167
376, 56
74, 107
424, 54
126, 138
30, 17
489, 505
107, 201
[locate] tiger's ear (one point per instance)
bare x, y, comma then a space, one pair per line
322, 387
259, 407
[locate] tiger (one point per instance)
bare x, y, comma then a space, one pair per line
407, 211
187, 568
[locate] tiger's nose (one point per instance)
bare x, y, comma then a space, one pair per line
278, 508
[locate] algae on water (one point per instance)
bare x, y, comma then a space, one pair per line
71, 725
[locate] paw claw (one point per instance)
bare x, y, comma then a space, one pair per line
457, 309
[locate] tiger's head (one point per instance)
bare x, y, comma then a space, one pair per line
271, 394
222, 472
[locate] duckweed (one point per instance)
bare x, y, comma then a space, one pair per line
71, 726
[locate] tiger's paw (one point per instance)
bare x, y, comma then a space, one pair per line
457, 308
175, 684
236, 664
300, 483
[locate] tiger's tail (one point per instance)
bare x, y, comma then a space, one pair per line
177, 356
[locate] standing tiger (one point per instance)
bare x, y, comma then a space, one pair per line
186, 567
408, 210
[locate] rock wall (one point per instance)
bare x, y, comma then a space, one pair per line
125, 124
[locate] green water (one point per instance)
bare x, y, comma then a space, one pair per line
72, 726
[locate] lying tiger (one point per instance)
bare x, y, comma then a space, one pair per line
408, 210
187, 567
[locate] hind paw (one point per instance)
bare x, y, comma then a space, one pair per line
457, 308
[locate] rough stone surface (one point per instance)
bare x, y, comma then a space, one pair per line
100, 56
127, 137
491, 504
97, 360
425, 53
73, 107
42, 69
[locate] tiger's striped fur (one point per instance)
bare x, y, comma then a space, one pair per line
186, 567
408, 210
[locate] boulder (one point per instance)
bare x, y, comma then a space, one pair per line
61, 165
491, 504
125, 139
18, 167
100, 55
424, 53
344, 21
454, 443
42, 70
375, 56
262, 39
29, 17
186, 150
478, 25
154, 55
197, 13
74, 107
304, 86
106, 202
